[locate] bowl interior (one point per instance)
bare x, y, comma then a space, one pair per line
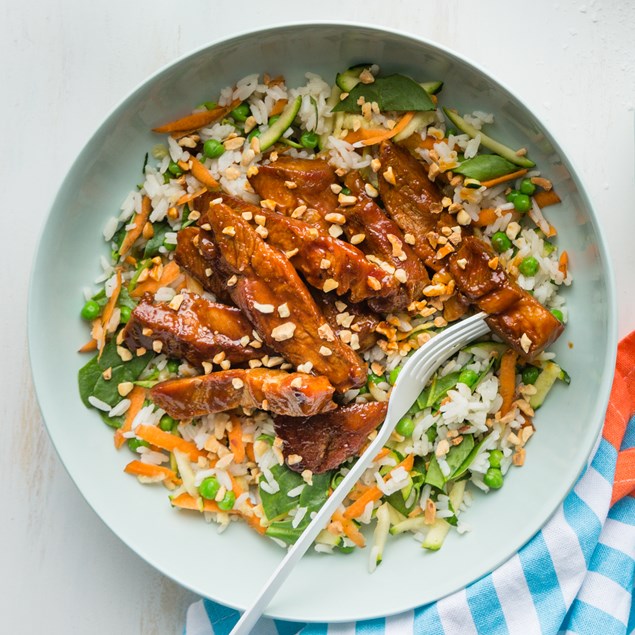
231, 567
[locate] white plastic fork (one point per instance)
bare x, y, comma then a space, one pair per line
411, 380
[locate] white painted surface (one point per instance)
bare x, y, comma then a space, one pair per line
66, 63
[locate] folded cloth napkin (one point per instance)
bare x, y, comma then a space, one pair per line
576, 575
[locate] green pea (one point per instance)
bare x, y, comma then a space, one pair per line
240, 113
173, 366
169, 246
511, 197
493, 478
522, 202
210, 105
256, 132
527, 187
209, 488
167, 423
405, 427
174, 169
346, 549
273, 119
468, 377
91, 310
228, 501
124, 314
363, 390
309, 139
375, 379
134, 444
501, 242
346, 191
557, 314
213, 148
495, 458
530, 374
394, 373
528, 266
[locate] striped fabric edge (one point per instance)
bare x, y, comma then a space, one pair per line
533, 592
574, 576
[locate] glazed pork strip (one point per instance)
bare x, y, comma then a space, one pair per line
411, 199
196, 253
263, 283
325, 441
292, 394
364, 319
322, 259
383, 239
514, 315
292, 183
349, 320
192, 328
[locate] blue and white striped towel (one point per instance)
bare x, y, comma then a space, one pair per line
576, 575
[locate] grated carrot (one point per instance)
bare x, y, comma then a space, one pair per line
563, 263
170, 273
486, 217
196, 120
381, 454
545, 198
186, 501
389, 134
350, 529
90, 346
200, 172
407, 463
139, 220
508, 379
186, 198
168, 441
278, 107
357, 508
107, 314
503, 179
235, 436
137, 397
138, 468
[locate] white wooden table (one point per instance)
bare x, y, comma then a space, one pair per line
66, 63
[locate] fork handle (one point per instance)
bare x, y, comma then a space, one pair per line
438, 351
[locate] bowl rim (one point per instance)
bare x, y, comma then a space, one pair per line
606, 380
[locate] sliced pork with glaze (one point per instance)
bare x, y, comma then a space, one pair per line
292, 183
192, 328
383, 239
322, 259
195, 252
349, 321
263, 283
411, 199
292, 394
514, 315
325, 441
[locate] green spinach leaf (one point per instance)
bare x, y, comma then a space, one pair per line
485, 166
458, 453
152, 246
434, 475
113, 422
275, 505
91, 381
395, 92
462, 469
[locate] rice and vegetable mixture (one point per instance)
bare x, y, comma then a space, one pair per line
238, 461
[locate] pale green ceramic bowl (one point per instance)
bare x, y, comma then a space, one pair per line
230, 568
